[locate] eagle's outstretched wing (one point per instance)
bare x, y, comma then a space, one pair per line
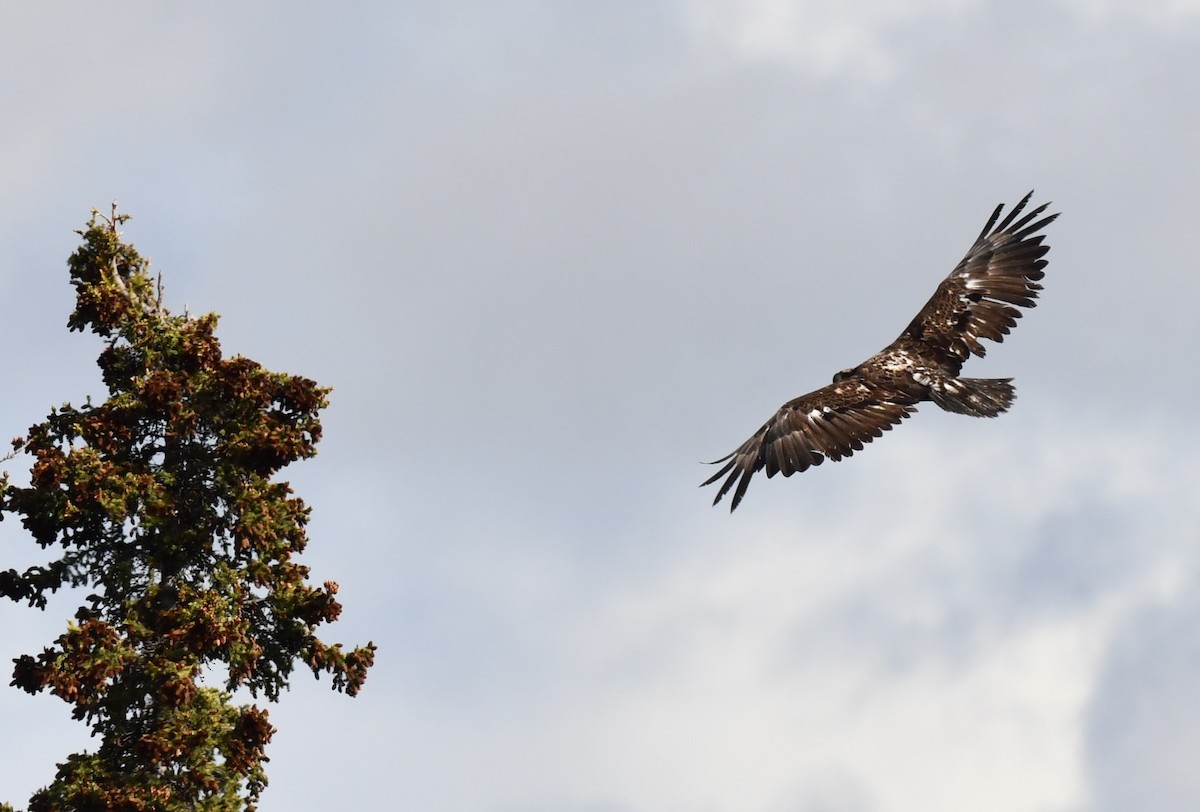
979, 298
833, 422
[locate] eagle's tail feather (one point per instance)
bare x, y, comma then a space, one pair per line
978, 397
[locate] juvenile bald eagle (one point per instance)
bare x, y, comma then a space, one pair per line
978, 300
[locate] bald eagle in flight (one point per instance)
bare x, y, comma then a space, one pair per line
979, 299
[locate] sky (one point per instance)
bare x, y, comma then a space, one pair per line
551, 256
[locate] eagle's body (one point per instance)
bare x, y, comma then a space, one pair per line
979, 299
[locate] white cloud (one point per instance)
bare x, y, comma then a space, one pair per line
744, 690
864, 38
1159, 14
884, 649
820, 37
1143, 725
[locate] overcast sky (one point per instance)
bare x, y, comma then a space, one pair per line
552, 255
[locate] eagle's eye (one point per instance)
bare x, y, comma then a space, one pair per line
843, 375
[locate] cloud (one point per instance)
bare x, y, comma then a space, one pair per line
864, 40
1158, 14
888, 641
1143, 725
820, 38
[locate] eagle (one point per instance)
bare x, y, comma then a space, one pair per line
978, 300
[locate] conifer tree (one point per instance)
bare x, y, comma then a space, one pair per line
161, 503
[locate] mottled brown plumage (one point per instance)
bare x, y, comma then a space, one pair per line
978, 300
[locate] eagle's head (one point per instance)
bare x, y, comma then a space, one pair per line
844, 374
